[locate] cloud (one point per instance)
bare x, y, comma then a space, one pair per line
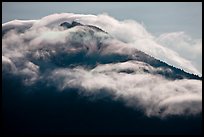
18, 25
7, 65
185, 45
90, 60
133, 33
127, 31
152, 94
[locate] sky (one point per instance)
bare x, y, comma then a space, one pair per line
157, 17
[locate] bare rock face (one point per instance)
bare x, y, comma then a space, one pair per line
70, 25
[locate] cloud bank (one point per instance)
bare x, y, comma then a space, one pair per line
90, 60
152, 94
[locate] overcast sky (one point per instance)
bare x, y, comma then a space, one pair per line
157, 17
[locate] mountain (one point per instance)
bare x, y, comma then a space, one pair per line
75, 23
168, 71
74, 78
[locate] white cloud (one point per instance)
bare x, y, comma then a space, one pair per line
7, 65
186, 46
153, 94
43, 44
17, 24
133, 33
130, 32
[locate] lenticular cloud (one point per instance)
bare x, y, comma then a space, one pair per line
91, 53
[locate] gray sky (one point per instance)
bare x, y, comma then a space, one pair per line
156, 16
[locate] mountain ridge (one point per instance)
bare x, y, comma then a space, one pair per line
179, 73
